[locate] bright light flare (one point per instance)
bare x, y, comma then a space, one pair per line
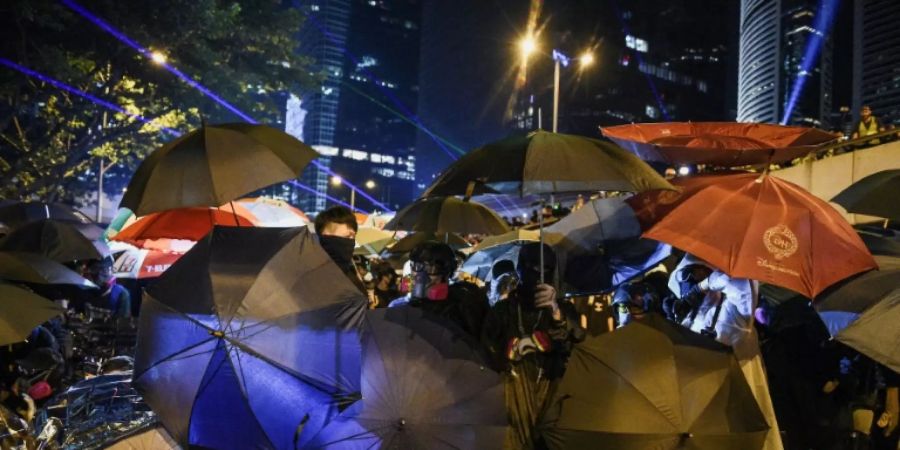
527, 46
370, 184
158, 57
586, 59
337, 181
684, 171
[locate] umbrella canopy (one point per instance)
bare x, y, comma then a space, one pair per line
881, 245
373, 248
21, 311
410, 241
725, 144
369, 235
183, 223
16, 214
268, 212
842, 304
250, 335
34, 268
425, 385
214, 165
875, 195
58, 241
757, 227
601, 220
155, 438
515, 236
875, 333
447, 215
543, 162
140, 263
481, 263
653, 384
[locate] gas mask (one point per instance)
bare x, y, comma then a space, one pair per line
423, 287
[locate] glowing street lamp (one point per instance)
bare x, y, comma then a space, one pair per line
586, 59
527, 46
336, 181
158, 57
370, 184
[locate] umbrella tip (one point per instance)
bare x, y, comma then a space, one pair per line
217, 333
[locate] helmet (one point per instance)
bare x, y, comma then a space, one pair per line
435, 257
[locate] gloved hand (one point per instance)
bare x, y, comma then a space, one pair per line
545, 297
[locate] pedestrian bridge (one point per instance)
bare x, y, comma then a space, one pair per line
828, 176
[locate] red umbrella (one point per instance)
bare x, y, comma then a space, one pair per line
756, 226
182, 223
726, 144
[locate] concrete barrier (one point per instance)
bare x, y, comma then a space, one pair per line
826, 177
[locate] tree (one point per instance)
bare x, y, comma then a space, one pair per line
50, 140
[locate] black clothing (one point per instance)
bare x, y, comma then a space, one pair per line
386, 297
465, 305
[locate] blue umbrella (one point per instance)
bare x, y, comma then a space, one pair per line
250, 340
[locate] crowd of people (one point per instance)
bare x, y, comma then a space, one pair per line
817, 393
824, 394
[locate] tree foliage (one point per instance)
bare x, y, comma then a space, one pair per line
50, 140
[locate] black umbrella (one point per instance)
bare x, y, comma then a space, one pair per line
653, 384
544, 163
424, 386
442, 215
863, 313
881, 245
33, 268
16, 214
214, 165
58, 241
249, 338
875, 195
21, 311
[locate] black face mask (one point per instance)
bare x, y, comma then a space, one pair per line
340, 249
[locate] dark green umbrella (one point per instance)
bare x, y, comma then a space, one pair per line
58, 241
441, 215
875, 332
653, 384
21, 311
33, 268
543, 163
875, 195
214, 165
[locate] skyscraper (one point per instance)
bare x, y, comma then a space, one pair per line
786, 61
876, 58
361, 119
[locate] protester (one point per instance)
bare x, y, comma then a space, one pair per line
633, 301
868, 125
385, 284
336, 228
112, 297
529, 336
432, 266
716, 305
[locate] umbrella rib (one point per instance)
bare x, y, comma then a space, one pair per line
245, 396
174, 356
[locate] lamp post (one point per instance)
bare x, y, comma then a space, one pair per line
337, 181
527, 46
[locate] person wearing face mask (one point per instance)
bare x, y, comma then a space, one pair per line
336, 228
633, 302
529, 337
433, 264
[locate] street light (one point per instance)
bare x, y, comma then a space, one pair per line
586, 59
336, 180
527, 46
370, 184
158, 57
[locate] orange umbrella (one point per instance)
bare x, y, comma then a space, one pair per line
183, 223
758, 227
726, 144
